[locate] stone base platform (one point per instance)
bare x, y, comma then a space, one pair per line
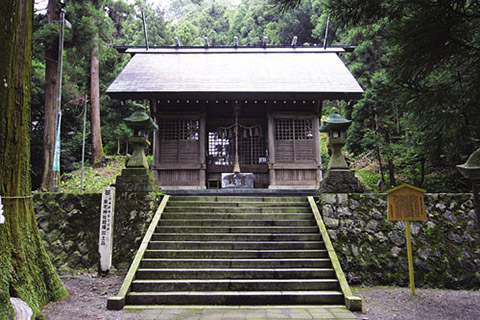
340, 181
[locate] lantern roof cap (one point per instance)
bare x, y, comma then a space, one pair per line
335, 122
471, 168
140, 121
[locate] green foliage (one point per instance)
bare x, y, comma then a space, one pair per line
369, 179
416, 60
418, 63
94, 178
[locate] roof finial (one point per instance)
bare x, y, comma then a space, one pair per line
206, 42
265, 41
294, 41
235, 42
177, 42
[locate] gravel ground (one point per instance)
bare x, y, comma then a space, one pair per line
89, 293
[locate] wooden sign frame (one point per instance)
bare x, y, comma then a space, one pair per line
406, 203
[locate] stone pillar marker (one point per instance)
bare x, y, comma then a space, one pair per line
105, 241
339, 178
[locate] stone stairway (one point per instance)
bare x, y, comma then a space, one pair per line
221, 250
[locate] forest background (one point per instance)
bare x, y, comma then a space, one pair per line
417, 60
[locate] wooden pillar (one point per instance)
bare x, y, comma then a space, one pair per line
201, 156
318, 142
156, 138
271, 150
317, 150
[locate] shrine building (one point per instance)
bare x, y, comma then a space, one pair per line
206, 99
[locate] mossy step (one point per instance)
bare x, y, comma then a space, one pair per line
235, 285
236, 297
268, 222
252, 254
233, 273
238, 199
151, 263
236, 245
236, 237
269, 204
236, 216
228, 229
238, 210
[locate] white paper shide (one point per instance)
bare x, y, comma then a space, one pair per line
2, 217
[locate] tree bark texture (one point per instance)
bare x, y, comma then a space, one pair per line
97, 147
25, 269
50, 118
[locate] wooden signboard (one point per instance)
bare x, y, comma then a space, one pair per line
406, 203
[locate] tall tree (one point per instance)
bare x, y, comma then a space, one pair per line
25, 269
96, 134
50, 114
97, 145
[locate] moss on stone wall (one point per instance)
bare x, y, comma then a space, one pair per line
69, 226
372, 250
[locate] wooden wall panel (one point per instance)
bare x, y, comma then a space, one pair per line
284, 151
295, 176
178, 177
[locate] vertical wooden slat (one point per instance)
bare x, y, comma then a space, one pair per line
317, 150
271, 149
201, 157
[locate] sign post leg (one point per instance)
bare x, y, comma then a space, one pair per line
410, 257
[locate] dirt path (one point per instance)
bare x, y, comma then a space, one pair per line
427, 304
88, 300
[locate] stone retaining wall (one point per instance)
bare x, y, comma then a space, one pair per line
69, 226
372, 250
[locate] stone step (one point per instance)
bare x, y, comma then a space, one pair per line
236, 216
228, 229
231, 273
237, 222
236, 298
235, 237
269, 204
237, 199
239, 210
237, 245
235, 285
243, 254
151, 263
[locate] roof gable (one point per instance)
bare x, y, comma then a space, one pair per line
231, 73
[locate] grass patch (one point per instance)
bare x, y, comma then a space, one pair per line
95, 178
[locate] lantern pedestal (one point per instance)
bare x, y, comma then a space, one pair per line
138, 158
340, 181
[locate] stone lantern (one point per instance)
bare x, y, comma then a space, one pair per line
471, 171
339, 178
136, 195
140, 122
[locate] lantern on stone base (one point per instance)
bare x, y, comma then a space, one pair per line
339, 178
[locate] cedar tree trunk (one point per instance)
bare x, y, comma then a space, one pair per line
97, 148
25, 269
50, 117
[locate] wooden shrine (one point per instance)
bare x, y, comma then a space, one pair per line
205, 100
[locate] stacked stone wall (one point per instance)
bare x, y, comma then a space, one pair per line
69, 226
372, 250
